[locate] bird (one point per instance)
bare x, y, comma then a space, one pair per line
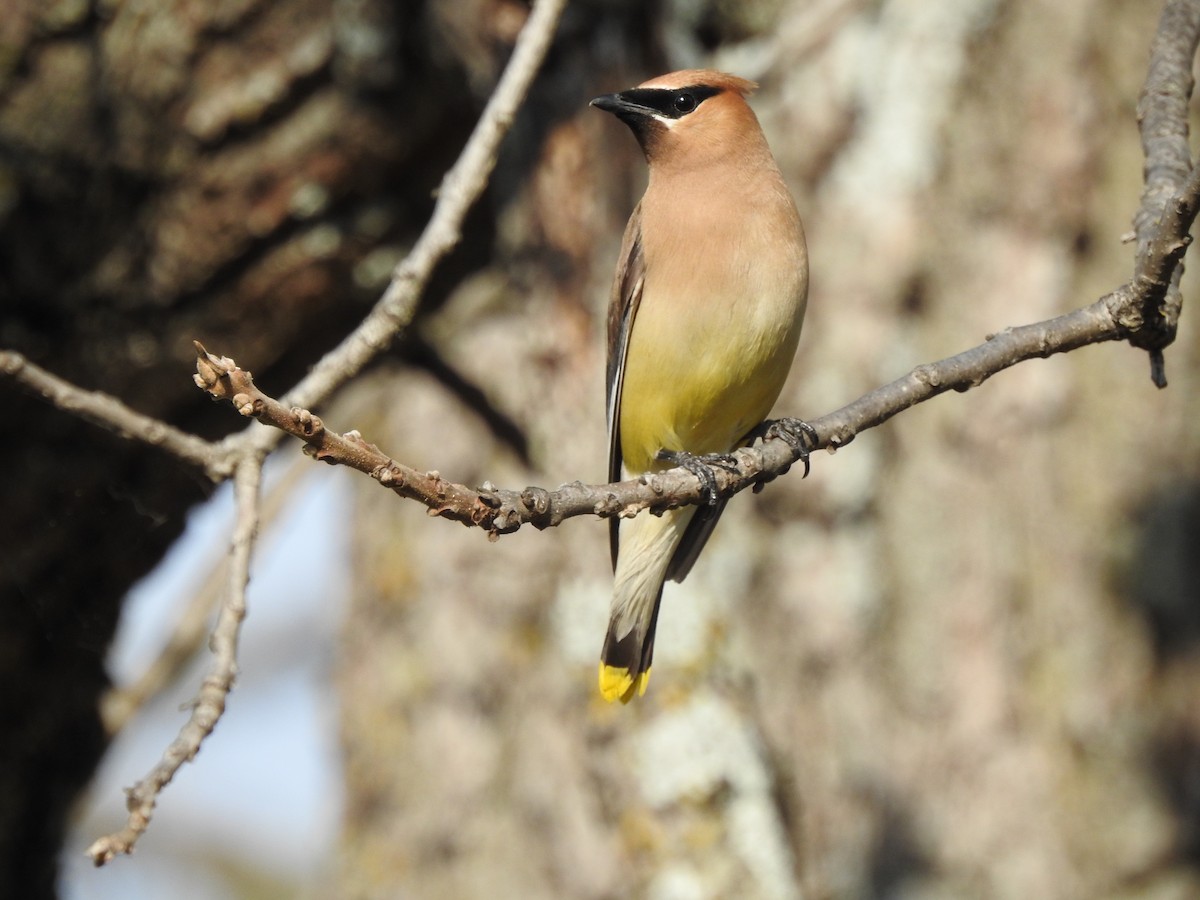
703, 323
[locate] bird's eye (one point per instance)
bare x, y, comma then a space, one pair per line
684, 102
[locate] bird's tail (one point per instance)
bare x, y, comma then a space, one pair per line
648, 543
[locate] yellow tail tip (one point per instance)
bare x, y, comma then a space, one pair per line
618, 684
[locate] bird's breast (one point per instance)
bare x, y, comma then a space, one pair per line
715, 332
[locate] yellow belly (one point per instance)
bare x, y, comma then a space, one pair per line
698, 376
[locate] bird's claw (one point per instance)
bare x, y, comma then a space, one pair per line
798, 435
702, 468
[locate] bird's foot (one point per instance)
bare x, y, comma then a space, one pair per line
798, 435
702, 468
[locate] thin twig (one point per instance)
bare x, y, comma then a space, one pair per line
122, 702
210, 702
109, 412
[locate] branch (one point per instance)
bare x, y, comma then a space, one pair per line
1163, 122
109, 412
122, 702
210, 703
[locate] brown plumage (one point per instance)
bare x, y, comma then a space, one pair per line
703, 322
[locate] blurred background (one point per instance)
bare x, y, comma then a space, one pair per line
959, 660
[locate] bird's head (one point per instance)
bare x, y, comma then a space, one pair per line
690, 116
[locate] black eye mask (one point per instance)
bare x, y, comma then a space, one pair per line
671, 103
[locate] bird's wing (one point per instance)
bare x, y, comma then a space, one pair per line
622, 308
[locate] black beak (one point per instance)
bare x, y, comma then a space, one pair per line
609, 103
629, 111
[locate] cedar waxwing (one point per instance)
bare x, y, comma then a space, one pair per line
705, 315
